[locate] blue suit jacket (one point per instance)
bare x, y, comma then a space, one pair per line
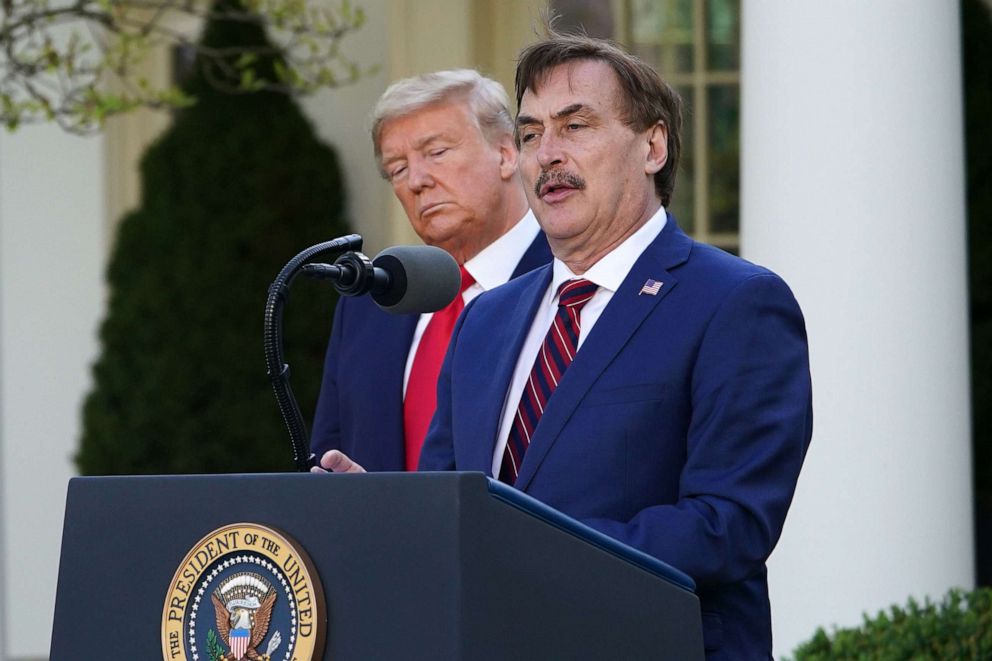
680, 427
360, 408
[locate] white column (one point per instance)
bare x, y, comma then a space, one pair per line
52, 257
853, 190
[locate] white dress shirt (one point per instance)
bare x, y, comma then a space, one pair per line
609, 272
491, 268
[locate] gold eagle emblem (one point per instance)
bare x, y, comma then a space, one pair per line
243, 602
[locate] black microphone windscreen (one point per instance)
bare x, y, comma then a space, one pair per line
422, 279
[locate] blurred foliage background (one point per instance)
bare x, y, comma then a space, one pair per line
234, 189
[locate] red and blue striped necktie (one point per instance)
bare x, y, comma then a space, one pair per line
556, 354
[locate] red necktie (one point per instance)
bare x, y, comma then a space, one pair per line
556, 354
421, 388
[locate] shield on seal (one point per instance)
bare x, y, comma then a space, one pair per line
239, 642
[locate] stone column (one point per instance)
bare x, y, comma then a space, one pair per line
52, 258
853, 190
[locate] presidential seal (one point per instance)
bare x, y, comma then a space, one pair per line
244, 591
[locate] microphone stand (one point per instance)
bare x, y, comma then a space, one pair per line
277, 369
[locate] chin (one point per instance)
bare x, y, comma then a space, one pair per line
441, 229
444, 240
557, 222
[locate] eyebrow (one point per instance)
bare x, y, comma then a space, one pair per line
426, 140
419, 144
564, 112
569, 110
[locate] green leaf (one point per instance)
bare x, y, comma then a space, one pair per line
246, 60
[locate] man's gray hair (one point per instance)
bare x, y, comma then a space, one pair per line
486, 99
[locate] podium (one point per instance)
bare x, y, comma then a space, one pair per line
410, 566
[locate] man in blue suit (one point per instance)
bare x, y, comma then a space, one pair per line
655, 388
444, 141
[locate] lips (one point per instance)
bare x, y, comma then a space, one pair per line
428, 209
555, 185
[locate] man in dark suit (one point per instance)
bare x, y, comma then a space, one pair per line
444, 141
667, 403
655, 388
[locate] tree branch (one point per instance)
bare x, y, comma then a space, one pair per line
43, 78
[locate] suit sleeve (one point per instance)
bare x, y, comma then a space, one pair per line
749, 428
327, 419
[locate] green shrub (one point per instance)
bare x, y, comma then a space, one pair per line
236, 187
959, 627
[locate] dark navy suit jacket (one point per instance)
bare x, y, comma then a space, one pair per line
360, 408
680, 427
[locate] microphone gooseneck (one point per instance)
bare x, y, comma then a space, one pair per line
401, 280
277, 369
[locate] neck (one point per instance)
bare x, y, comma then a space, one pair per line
505, 217
587, 252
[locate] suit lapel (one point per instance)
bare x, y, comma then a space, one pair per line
624, 314
509, 337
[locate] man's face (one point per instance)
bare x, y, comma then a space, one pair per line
448, 177
588, 176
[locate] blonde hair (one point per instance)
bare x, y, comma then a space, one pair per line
485, 97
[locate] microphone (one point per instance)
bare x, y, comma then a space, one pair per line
401, 279
418, 279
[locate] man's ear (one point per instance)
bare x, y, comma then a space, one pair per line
657, 152
507, 158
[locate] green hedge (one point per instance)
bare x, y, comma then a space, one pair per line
959, 627
236, 187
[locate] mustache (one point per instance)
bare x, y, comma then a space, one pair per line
558, 177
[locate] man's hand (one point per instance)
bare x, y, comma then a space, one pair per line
335, 461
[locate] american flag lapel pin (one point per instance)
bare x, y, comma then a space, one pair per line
651, 287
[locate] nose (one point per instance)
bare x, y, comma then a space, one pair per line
549, 151
419, 176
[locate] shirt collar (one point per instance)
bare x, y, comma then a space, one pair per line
494, 265
610, 271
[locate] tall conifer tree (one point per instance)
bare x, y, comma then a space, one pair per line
236, 187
